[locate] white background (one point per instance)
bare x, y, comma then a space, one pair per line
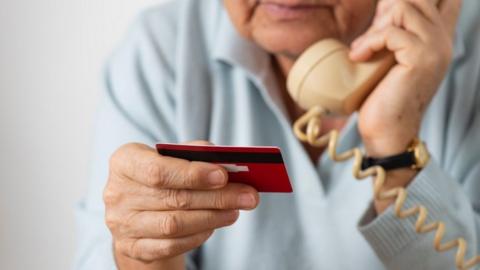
51, 56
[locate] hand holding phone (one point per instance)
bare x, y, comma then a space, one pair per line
390, 75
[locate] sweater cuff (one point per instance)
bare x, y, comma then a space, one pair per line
389, 235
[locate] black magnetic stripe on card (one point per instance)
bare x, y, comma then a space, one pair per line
227, 157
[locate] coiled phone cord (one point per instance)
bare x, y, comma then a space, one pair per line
308, 129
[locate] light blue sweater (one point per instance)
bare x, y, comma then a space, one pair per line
183, 74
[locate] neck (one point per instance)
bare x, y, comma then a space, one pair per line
284, 63
281, 67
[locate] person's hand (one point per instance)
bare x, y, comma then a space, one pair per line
420, 34
158, 207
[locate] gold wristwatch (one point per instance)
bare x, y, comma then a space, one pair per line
416, 157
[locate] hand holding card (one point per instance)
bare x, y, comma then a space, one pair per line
260, 167
159, 207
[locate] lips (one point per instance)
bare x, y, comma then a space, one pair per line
298, 3
290, 9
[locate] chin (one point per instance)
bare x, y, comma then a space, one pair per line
289, 42
291, 32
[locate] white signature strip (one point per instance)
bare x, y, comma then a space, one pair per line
235, 168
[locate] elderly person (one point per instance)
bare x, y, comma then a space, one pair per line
201, 71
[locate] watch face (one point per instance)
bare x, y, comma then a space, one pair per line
421, 155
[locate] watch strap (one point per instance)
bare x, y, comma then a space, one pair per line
403, 160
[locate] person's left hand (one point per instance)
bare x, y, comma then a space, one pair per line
420, 34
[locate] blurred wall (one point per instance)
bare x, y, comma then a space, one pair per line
51, 56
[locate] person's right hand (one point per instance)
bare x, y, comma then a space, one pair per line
159, 207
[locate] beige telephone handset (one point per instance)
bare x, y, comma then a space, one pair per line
325, 81
325, 76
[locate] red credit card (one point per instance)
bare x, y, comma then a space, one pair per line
260, 167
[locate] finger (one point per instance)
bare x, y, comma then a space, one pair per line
174, 224
173, 173
391, 38
430, 9
383, 13
383, 6
232, 196
450, 11
410, 16
149, 250
144, 165
399, 13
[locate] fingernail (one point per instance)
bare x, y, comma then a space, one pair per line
246, 200
355, 44
352, 54
357, 41
216, 178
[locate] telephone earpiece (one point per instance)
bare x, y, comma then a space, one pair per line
324, 75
